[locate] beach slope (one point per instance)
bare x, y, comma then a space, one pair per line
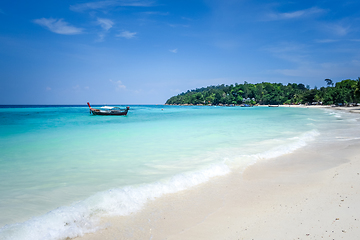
312, 193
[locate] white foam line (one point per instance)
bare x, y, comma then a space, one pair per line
82, 217
302, 141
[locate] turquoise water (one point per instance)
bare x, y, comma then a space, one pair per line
62, 168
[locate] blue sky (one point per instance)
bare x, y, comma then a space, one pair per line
143, 52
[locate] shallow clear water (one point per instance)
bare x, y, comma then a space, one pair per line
61, 168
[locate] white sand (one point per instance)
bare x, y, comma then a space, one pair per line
353, 109
313, 193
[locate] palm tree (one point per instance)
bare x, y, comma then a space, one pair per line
329, 82
357, 90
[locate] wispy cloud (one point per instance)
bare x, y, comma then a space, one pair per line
126, 34
338, 29
319, 70
173, 50
291, 51
157, 13
186, 18
119, 85
326, 40
106, 24
228, 44
78, 88
58, 26
107, 4
287, 47
293, 15
101, 37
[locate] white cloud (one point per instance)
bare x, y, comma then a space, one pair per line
106, 24
126, 34
338, 29
48, 88
336, 40
295, 14
108, 4
101, 37
157, 13
326, 40
186, 18
173, 50
58, 26
119, 85
228, 44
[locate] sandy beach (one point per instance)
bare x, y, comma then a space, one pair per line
312, 193
353, 109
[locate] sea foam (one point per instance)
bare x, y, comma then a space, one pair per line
284, 146
82, 217
295, 144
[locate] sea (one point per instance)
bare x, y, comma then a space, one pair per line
62, 169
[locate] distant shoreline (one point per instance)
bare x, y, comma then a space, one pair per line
352, 109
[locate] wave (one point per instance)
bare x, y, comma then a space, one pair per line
332, 113
82, 217
285, 146
297, 143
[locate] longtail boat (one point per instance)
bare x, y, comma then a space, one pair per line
108, 110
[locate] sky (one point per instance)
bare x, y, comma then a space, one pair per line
144, 52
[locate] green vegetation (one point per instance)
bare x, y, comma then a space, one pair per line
344, 92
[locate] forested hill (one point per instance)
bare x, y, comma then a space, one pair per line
344, 92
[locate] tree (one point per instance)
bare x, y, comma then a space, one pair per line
357, 91
301, 86
346, 91
329, 82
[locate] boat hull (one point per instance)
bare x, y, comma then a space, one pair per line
110, 113
113, 111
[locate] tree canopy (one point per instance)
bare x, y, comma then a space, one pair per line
344, 92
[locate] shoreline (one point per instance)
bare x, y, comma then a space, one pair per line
310, 193
352, 109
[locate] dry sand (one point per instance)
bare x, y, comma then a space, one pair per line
313, 193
